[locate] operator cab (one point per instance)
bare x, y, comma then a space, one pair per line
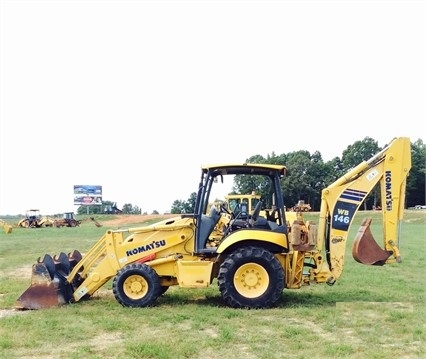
219, 222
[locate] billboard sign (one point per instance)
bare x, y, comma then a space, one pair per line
87, 195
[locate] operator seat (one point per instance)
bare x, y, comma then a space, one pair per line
256, 212
206, 227
262, 222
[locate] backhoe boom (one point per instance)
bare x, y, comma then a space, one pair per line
340, 202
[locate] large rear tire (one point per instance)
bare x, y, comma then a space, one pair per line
251, 277
73, 223
136, 285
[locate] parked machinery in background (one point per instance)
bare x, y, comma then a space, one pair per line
68, 220
33, 219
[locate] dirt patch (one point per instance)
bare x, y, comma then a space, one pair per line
133, 218
8, 312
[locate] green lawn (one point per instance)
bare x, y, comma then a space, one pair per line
371, 312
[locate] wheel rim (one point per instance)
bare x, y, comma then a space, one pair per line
251, 280
135, 287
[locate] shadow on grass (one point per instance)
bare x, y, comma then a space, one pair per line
289, 298
321, 296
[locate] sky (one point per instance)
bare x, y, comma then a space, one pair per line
135, 96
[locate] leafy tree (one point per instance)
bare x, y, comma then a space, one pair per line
190, 203
337, 169
298, 177
177, 207
416, 187
187, 206
89, 210
319, 176
357, 153
248, 184
129, 209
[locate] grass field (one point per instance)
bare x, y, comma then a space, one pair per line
371, 312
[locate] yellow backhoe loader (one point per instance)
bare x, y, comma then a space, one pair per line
33, 219
255, 259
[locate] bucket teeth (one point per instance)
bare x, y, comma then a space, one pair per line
62, 263
41, 274
74, 258
49, 263
49, 284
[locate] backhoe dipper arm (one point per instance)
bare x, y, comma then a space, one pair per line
340, 202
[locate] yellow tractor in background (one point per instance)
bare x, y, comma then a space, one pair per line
301, 206
33, 219
233, 201
255, 258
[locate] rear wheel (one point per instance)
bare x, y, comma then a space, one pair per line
136, 285
251, 277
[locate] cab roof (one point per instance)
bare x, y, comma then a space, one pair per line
245, 168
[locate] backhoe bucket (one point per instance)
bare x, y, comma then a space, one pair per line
49, 286
97, 224
365, 249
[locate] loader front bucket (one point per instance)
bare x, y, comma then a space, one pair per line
40, 296
365, 249
49, 286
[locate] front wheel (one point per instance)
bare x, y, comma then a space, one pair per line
251, 277
24, 223
136, 285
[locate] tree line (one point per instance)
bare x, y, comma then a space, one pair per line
109, 207
307, 175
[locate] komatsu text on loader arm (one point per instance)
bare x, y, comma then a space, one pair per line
252, 258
